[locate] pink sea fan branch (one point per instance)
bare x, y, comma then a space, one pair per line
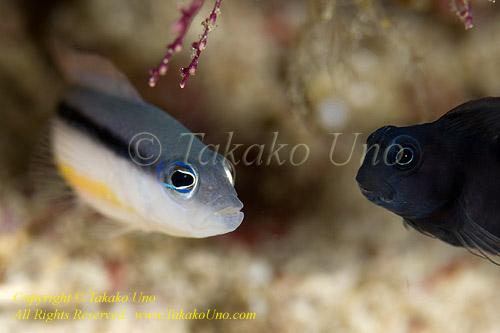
199, 46
463, 10
180, 28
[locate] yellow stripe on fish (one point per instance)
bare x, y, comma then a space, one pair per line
89, 186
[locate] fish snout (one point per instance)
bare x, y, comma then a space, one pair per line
364, 190
367, 192
225, 213
379, 194
226, 206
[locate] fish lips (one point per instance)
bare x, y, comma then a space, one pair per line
226, 215
230, 222
382, 198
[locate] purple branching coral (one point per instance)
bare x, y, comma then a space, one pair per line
462, 9
180, 28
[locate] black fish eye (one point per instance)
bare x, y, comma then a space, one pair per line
177, 176
182, 179
403, 157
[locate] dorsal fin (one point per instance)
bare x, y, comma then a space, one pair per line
93, 72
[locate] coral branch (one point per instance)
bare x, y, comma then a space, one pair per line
180, 27
463, 11
200, 45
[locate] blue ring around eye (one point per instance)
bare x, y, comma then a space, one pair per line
178, 190
162, 167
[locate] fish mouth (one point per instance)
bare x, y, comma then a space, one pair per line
365, 190
227, 218
228, 211
226, 207
376, 198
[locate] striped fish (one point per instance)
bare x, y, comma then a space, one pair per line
134, 163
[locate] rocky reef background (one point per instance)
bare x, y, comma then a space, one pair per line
312, 255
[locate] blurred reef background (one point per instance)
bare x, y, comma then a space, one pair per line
312, 255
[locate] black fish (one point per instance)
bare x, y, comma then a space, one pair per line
442, 177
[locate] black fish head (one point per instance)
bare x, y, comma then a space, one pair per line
408, 170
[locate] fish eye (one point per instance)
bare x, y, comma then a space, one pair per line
403, 157
182, 179
403, 153
177, 176
229, 170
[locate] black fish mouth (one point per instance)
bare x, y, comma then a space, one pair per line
365, 190
374, 197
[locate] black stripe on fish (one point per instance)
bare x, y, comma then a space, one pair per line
77, 119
